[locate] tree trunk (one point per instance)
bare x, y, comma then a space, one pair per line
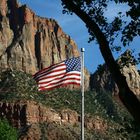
128, 98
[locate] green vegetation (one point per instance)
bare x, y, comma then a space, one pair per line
17, 85
6, 131
107, 33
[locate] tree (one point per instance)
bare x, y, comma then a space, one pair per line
91, 12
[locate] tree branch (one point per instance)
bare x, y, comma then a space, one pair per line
128, 98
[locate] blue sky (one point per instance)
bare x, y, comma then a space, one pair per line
74, 27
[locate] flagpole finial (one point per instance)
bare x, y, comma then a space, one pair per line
82, 49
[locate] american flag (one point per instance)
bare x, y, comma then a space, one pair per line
60, 74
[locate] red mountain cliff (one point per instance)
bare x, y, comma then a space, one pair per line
29, 42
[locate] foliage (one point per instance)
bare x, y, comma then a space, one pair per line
96, 10
6, 131
120, 124
22, 86
106, 32
16, 84
124, 27
59, 132
126, 58
132, 29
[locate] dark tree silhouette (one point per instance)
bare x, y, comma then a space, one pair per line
91, 12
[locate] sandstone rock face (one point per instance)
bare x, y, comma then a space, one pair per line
22, 114
96, 123
69, 116
132, 78
29, 42
102, 79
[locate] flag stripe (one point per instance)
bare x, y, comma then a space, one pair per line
59, 80
51, 76
49, 69
55, 73
70, 74
68, 81
66, 72
57, 86
57, 69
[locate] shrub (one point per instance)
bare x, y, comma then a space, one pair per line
6, 131
16, 84
19, 85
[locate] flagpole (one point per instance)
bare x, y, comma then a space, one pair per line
82, 94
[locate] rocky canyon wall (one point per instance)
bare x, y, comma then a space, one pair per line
25, 113
29, 42
102, 79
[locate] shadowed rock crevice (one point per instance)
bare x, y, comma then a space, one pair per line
22, 117
38, 50
14, 112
